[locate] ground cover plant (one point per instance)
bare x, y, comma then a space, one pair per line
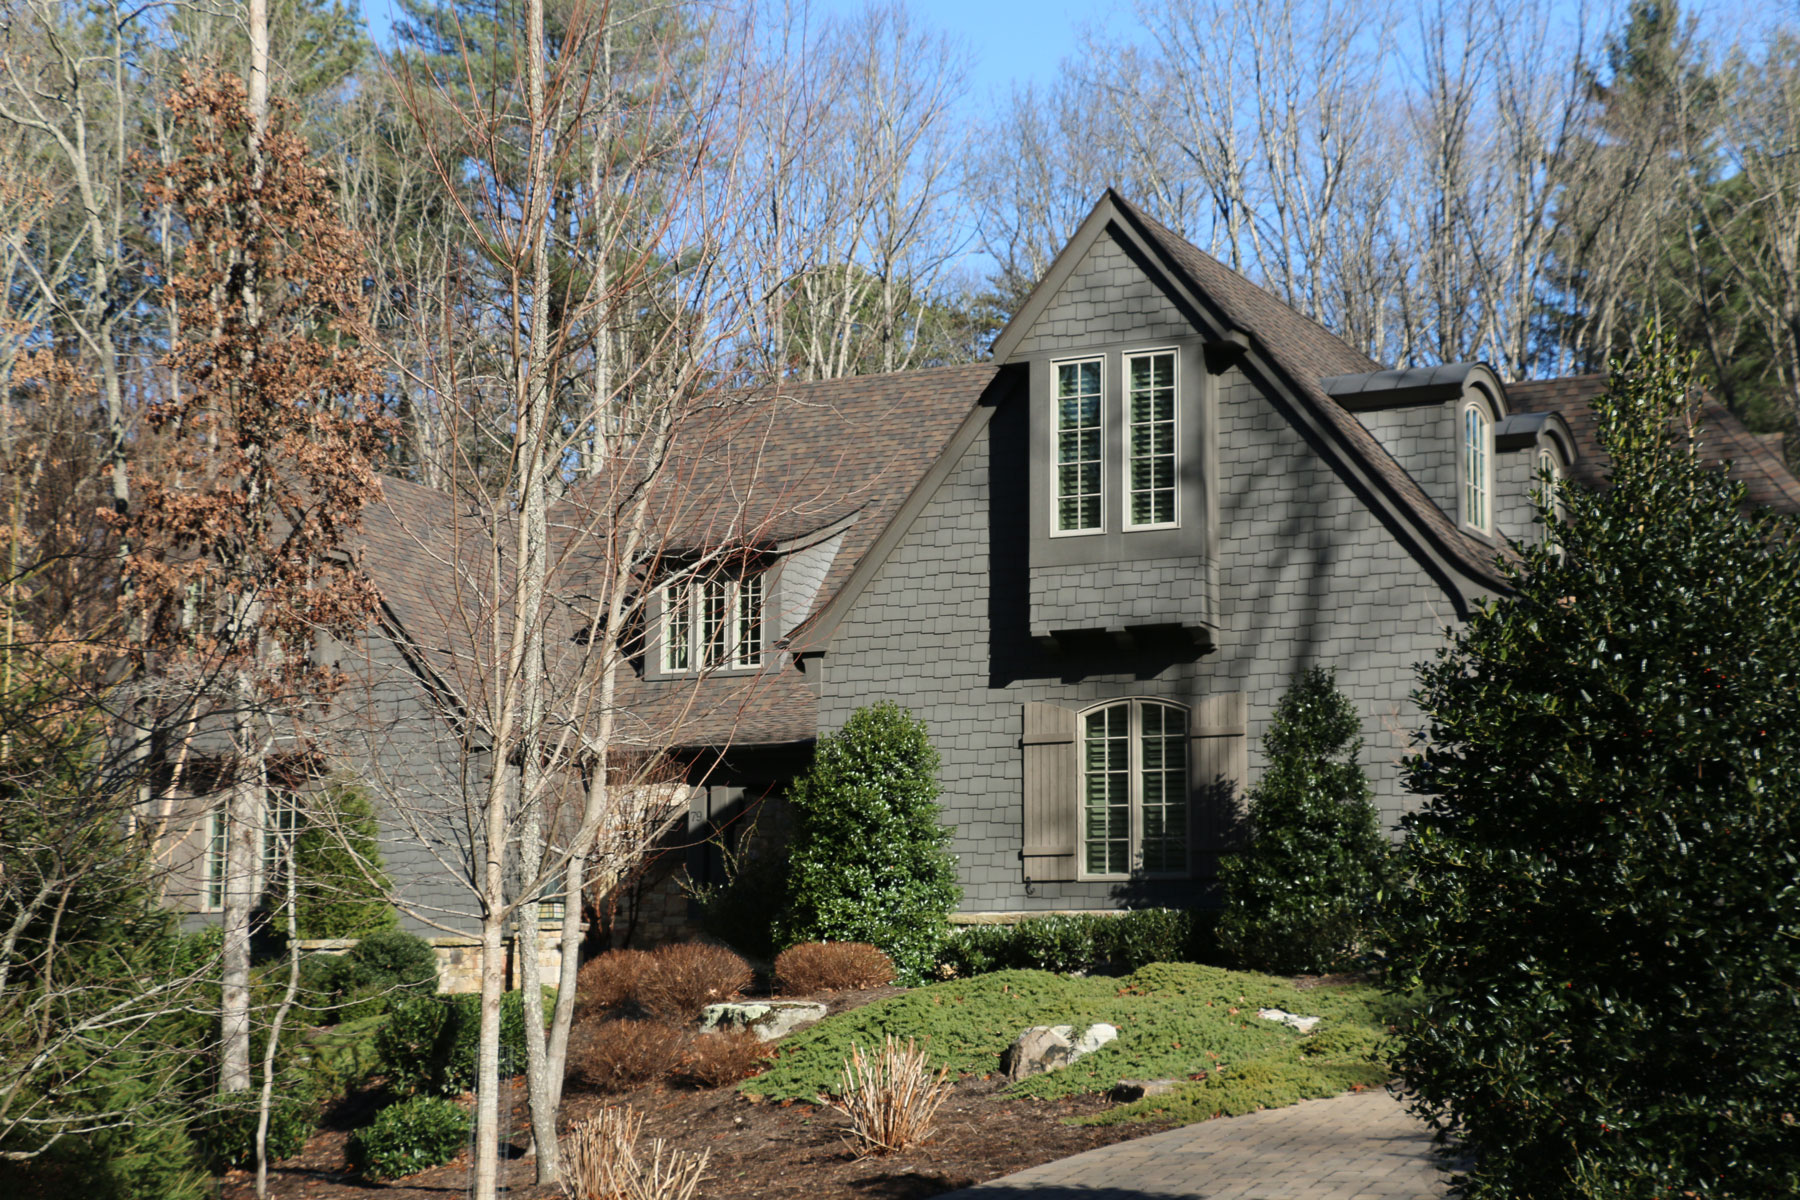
1602, 919
1179, 1021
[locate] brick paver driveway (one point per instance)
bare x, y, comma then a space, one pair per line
1354, 1147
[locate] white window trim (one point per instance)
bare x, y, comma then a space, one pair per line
1134, 737
690, 595
1550, 459
212, 863
1174, 352
1055, 472
1486, 417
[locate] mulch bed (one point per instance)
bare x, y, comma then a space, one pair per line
759, 1150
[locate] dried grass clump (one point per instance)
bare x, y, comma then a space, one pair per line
890, 1100
684, 978
612, 1056
611, 980
602, 1161
831, 967
726, 1057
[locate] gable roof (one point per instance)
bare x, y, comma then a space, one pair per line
1303, 353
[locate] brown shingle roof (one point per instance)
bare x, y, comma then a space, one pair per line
754, 470
1753, 460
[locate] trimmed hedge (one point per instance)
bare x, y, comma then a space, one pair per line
1081, 943
409, 1137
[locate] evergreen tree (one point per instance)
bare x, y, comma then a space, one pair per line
1602, 928
1299, 897
869, 861
340, 879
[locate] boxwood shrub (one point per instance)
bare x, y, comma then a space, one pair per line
225, 1127
408, 1137
430, 1043
1081, 943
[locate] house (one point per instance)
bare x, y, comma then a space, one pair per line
1092, 565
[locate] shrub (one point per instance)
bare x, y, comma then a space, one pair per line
610, 980
1300, 898
392, 958
1602, 906
1079, 943
430, 1043
831, 967
868, 860
408, 1137
225, 1127
728, 1056
685, 977
613, 1056
340, 882
890, 1100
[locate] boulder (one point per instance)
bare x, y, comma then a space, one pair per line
1049, 1047
1303, 1024
767, 1019
1127, 1090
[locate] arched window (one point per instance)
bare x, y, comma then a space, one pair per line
1477, 454
1551, 475
1134, 789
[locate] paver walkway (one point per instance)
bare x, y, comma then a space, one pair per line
1355, 1147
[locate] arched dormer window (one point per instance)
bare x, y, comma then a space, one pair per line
1476, 459
1134, 789
1551, 473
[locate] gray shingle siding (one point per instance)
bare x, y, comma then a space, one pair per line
1308, 575
1422, 440
1107, 298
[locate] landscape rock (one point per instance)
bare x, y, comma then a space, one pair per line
767, 1019
1303, 1024
1127, 1090
1050, 1047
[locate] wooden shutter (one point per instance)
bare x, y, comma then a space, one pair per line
1052, 787
1218, 762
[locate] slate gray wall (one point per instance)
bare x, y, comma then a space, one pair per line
1307, 574
1423, 440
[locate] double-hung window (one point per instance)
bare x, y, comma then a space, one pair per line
1134, 789
713, 623
1078, 446
1150, 408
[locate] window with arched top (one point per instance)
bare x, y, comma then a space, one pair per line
1477, 457
1134, 789
1551, 476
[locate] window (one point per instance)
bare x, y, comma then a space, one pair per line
1550, 473
213, 880
281, 828
1477, 455
1134, 789
1078, 446
723, 616
677, 626
1150, 381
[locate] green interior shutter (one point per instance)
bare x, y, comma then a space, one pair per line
1052, 793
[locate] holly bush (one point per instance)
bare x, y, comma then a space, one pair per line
868, 861
1601, 932
1301, 895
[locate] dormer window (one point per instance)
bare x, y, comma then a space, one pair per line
1550, 475
1477, 454
722, 617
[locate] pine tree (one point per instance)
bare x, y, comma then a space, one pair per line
1298, 899
1602, 927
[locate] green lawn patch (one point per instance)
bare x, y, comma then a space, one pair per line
1175, 1020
